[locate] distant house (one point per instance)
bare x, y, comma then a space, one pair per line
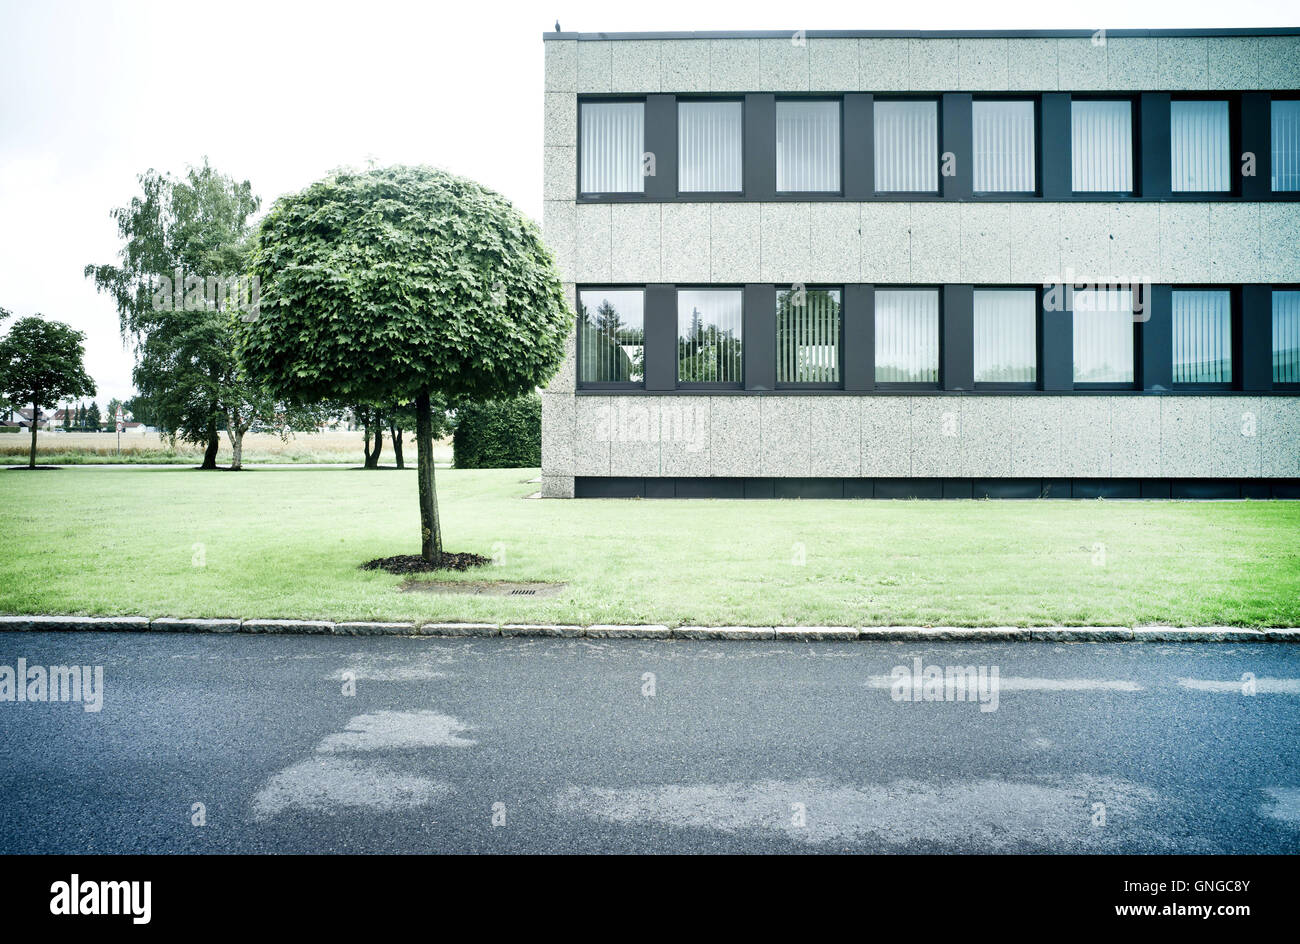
24, 418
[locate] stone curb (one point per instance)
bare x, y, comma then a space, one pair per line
169, 624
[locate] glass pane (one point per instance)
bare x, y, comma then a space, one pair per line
1103, 336
808, 336
907, 336
1004, 146
709, 147
807, 146
1198, 146
612, 145
709, 336
611, 336
1102, 153
1006, 336
1286, 337
1286, 144
1202, 337
907, 146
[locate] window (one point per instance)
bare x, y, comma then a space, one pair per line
1006, 335
1202, 341
612, 146
1286, 144
1286, 337
907, 146
808, 336
709, 336
1101, 157
1103, 336
907, 336
1198, 146
709, 138
611, 336
807, 146
1004, 146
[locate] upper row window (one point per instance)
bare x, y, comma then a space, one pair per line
710, 146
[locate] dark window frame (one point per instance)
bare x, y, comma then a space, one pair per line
1037, 100
1037, 382
1135, 145
1137, 357
937, 193
839, 342
795, 195
1234, 335
699, 385
704, 195
607, 385
610, 195
1278, 385
1234, 145
914, 386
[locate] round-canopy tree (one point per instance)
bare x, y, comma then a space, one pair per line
401, 284
41, 364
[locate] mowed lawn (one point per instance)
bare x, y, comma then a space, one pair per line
288, 542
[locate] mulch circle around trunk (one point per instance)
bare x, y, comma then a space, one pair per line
415, 564
34, 468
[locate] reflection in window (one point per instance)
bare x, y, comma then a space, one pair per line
611, 342
709, 336
907, 336
808, 336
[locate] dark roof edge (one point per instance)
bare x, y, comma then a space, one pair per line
930, 34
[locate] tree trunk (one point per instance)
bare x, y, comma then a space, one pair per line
374, 424
396, 434
210, 453
31, 458
430, 527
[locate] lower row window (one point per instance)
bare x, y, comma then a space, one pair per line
810, 326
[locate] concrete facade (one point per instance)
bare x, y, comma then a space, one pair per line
929, 434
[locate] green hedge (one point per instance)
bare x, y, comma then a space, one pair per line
499, 434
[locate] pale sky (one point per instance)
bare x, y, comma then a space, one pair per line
279, 93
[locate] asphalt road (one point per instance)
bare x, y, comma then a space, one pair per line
750, 747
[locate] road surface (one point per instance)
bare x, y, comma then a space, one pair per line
301, 744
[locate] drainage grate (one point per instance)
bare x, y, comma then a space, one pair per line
523, 593
489, 588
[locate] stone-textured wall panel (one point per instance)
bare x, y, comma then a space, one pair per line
685, 242
735, 436
836, 432
887, 436
936, 436
735, 241
786, 434
634, 242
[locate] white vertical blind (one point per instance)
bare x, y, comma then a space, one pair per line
1006, 336
612, 145
907, 336
807, 146
808, 336
709, 147
1198, 145
1102, 146
1202, 337
611, 341
907, 146
1003, 146
1103, 336
1286, 337
709, 325
1286, 144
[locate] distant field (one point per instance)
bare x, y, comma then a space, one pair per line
154, 449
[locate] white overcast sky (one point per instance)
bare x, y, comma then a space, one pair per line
279, 93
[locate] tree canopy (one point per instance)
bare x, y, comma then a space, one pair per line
403, 284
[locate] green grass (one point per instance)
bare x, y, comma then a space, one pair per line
286, 543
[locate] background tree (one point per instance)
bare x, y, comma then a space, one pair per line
41, 362
179, 234
93, 420
372, 423
404, 283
